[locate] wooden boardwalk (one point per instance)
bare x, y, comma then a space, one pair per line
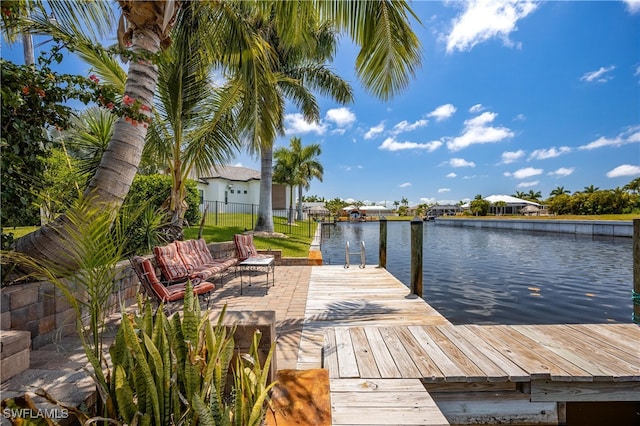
392, 358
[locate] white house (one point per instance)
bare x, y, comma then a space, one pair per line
230, 185
513, 204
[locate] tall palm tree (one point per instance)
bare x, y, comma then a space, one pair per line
147, 30
633, 186
533, 195
296, 167
309, 168
296, 69
591, 189
559, 191
520, 194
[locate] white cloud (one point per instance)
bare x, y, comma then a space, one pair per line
633, 6
528, 184
441, 190
342, 117
296, 124
405, 126
442, 112
525, 173
374, 131
483, 20
562, 171
390, 144
520, 117
477, 131
543, 154
476, 109
405, 185
427, 200
599, 76
638, 67
451, 175
630, 135
509, 157
460, 162
624, 170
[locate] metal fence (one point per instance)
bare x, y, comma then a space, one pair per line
244, 216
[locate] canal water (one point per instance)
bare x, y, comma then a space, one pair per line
483, 276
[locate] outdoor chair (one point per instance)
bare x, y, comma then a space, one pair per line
245, 247
172, 295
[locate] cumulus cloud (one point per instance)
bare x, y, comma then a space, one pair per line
451, 175
599, 76
562, 171
460, 162
442, 112
477, 130
342, 117
483, 20
374, 131
405, 185
543, 154
624, 170
390, 144
405, 126
520, 117
525, 173
476, 109
630, 135
441, 190
509, 157
296, 124
528, 184
633, 6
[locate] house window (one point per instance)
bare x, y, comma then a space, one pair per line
245, 191
201, 193
232, 191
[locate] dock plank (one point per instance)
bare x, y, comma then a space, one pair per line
364, 356
451, 372
347, 365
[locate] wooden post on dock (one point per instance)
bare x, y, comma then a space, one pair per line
636, 271
416, 256
382, 253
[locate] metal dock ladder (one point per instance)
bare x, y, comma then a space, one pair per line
361, 253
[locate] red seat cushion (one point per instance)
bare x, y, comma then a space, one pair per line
171, 264
203, 250
165, 294
244, 246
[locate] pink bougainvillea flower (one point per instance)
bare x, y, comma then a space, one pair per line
94, 78
128, 100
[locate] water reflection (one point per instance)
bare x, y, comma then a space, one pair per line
485, 276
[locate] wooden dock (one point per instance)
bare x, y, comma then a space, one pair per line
393, 359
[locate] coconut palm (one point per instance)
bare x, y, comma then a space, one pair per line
590, 189
533, 195
296, 167
145, 28
633, 186
559, 191
295, 70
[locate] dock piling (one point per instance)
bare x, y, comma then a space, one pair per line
636, 271
382, 253
416, 256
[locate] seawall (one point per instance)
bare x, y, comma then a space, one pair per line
611, 228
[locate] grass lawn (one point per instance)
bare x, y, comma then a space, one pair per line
292, 246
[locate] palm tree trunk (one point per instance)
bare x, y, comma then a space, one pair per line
119, 164
264, 223
299, 202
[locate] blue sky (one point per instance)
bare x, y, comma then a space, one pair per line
511, 96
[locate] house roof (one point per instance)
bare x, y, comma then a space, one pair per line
238, 174
509, 200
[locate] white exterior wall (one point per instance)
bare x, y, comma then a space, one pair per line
233, 191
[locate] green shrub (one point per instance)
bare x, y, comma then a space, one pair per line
150, 192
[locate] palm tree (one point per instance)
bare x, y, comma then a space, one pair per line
294, 70
590, 189
533, 195
559, 191
309, 168
520, 194
147, 29
633, 186
296, 167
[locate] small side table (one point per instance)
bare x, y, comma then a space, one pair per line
263, 264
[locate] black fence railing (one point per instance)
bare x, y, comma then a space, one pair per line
244, 216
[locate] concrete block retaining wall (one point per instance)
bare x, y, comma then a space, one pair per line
608, 228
